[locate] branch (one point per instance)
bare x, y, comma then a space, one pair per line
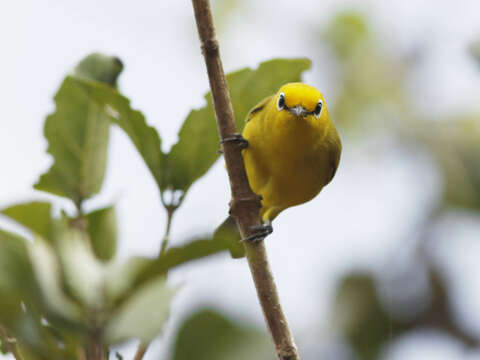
141, 350
245, 204
96, 348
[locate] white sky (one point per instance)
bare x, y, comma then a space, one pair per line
352, 224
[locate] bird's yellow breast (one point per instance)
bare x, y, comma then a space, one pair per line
289, 158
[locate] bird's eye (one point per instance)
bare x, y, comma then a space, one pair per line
281, 102
318, 109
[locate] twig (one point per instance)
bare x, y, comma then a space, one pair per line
245, 204
10, 343
142, 347
170, 211
97, 350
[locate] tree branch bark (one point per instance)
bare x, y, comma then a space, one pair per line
245, 205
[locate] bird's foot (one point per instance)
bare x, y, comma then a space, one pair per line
242, 143
261, 232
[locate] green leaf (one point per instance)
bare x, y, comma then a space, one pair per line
35, 216
85, 286
78, 137
229, 233
208, 335
16, 277
124, 279
196, 149
102, 230
120, 278
48, 273
176, 256
98, 67
77, 134
143, 315
117, 107
21, 302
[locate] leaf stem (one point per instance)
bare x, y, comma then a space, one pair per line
170, 211
10, 343
142, 347
96, 347
79, 222
245, 204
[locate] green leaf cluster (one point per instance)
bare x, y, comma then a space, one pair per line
66, 288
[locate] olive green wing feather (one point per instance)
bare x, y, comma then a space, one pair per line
334, 154
257, 108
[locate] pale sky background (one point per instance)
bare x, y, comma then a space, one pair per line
358, 220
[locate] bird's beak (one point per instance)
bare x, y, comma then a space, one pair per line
298, 110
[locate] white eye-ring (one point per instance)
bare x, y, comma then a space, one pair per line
281, 102
318, 109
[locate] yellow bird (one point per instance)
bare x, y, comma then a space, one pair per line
291, 149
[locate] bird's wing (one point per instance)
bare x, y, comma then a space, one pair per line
260, 106
334, 155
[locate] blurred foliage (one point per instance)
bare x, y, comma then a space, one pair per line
208, 335
455, 144
65, 290
35, 216
374, 96
224, 11
348, 33
98, 67
361, 316
475, 51
75, 286
102, 231
357, 304
373, 101
372, 93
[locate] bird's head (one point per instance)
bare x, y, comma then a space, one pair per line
301, 101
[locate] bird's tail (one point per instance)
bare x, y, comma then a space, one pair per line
228, 231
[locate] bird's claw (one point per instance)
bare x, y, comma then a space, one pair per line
261, 233
237, 138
